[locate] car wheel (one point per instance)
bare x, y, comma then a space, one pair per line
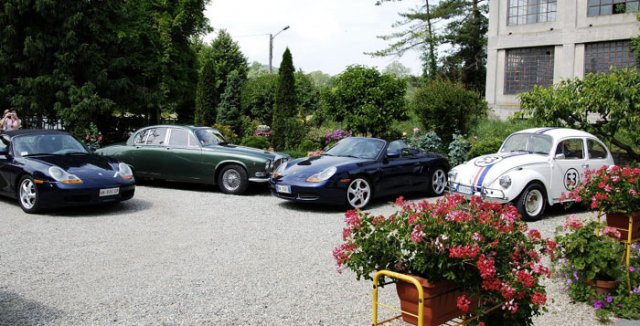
359, 193
438, 182
28, 196
232, 179
531, 202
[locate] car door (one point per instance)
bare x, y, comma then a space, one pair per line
568, 166
183, 156
148, 156
398, 172
598, 155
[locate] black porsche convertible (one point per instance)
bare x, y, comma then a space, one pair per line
358, 169
47, 168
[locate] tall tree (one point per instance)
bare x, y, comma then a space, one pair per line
226, 56
464, 28
82, 60
229, 108
206, 100
367, 100
258, 97
287, 130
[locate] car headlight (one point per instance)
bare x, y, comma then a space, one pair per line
452, 175
505, 181
125, 171
63, 176
323, 175
280, 170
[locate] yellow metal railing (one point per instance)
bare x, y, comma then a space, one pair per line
461, 320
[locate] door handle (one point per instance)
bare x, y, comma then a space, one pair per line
585, 166
138, 147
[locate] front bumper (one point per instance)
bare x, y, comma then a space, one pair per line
326, 192
55, 194
488, 194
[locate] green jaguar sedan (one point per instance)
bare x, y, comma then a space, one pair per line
194, 154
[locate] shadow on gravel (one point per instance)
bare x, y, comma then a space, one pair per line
132, 205
15, 310
560, 209
324, 208
253, 189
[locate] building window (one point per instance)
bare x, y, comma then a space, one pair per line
531, 11
528, 67
601, 56
611, 7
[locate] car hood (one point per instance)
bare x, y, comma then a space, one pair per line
82, 165
483, 170
307, 166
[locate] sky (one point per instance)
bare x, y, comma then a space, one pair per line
325, 35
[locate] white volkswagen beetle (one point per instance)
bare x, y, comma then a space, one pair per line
532, 169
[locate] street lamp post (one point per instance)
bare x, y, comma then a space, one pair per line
271, 37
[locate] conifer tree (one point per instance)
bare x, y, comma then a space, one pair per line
229, 109
287, 130
206, 99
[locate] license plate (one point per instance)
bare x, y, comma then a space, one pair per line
465, 190
109, 192
285, 189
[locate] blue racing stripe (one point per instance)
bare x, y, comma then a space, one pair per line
488, 167
542, 131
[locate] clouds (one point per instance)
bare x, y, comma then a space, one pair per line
325, 35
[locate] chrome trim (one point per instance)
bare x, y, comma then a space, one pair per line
259, 180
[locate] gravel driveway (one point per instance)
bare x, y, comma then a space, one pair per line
192, 255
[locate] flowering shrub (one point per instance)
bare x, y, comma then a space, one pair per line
93, 137
482, 247
262, 131
333, 136
582, 256
613, 189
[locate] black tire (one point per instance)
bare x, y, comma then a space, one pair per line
359, 193
232, 179
28, 196
532, 202
437, 182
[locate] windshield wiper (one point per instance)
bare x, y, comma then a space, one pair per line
348, 155
326, 154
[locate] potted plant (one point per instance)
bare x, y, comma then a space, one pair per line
483, 249
587, 258
590, 265
614, 191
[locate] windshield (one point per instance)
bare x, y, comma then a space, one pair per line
357, 147
46, 144
210, 136
532, 143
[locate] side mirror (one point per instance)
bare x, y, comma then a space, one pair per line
91, 149
560, 156
4, 150
393, 154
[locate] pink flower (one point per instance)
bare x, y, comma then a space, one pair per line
463, 303
633, 192
416, 130
417, 234
534, 234
572, 223
611, 231
352, 219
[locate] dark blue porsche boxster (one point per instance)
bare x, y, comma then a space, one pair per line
356, 169
46, 169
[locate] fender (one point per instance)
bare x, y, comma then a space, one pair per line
520, 178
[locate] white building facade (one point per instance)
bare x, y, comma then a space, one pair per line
541, 42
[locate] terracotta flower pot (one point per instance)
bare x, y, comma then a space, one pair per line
621, 221
604, 286
440, 301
